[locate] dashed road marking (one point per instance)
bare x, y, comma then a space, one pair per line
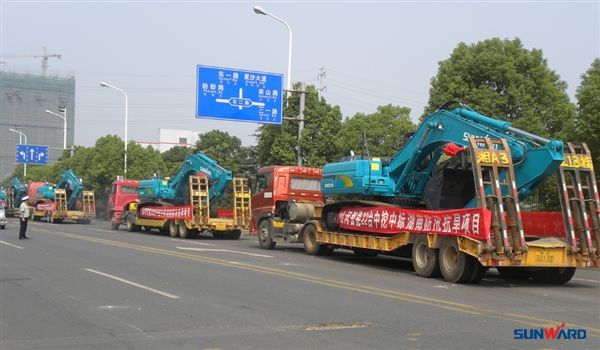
134, 284
223, 250
12, 245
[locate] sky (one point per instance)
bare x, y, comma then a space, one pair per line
373, 52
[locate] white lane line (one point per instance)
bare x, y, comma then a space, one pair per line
12, 245
223, 250
581, 279
193, 242
134, 284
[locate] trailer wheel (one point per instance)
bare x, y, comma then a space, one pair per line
425, 260
234, 235
264, 235
173, 231
553, 275
514, 273
184, 232
311, 246
131, 227
478, 270
114, 225
455, 265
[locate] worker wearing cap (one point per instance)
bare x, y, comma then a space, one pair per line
24, 215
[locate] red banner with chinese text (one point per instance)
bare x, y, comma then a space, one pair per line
170, 213
45, 206
473, 222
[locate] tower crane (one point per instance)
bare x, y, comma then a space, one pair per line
43, 56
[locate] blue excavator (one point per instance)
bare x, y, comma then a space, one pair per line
176, 190
186, 204
64, 200
418, 176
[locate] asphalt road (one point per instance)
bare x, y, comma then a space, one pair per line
88, 287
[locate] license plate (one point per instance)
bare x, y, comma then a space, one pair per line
544, 258
278, 224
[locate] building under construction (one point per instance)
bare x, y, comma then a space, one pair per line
24, 99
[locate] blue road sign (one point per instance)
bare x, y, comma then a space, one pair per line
237, 94
32, 154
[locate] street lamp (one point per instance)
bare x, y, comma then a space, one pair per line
64, 117
103, 84
260, 11
25, 137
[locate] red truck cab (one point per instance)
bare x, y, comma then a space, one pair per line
122, 192
278, 191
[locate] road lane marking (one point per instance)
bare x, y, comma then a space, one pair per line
12, 245
134, 284
336, 326
391, 294
222, 250
581, 279
188, 241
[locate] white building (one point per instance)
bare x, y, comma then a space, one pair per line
168, 138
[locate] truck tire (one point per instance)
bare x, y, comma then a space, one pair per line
173, 230
234, 234
553, 275
455, 265
184, 232
114, 225
264, 235
478, 270
514, 273
311, 246
131, 226
425, 260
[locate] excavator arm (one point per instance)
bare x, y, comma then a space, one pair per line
176, 190
73, 186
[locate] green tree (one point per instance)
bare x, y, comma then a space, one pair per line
383, 131
588, 110
502, 79
276, 144
174, 157
227, 150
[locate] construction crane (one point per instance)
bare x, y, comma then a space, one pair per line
43, 56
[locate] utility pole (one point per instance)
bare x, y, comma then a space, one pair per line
301, 119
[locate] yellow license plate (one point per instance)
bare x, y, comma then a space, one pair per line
278, 224
544, 258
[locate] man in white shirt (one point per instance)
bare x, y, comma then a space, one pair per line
24, 216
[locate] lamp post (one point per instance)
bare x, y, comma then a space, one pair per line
260, 11
103, 84
25, 137
64, 117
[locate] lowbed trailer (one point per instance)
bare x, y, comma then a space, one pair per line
186, 221
461, 244
56, 211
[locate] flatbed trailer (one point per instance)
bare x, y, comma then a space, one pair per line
56, 211
186, 221
545, 246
